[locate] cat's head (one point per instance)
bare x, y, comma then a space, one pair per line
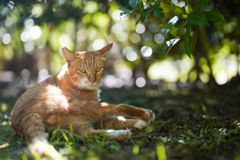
86, 68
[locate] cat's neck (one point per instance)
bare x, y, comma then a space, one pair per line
64, 82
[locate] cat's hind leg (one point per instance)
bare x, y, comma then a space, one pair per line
110, 134
33, 129
120, 123
87, 131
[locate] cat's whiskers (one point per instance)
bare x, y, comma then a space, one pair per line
109, 92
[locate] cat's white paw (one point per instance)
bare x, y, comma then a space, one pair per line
140, 124
43, 148
120, 135
149, 115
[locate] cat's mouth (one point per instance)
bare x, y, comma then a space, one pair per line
93, 86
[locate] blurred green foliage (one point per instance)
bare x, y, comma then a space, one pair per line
151, 36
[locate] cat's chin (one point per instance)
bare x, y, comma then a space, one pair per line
88, 86
92, 87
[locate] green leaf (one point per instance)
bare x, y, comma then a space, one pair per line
141, 7
144, 14
214, 16
202, 3
135, 27
191, 134
71, 127
123, 14
169, 44
132, 3
65, 136
197, 18
194, 39
150, 0
187, 44
164, 48
174, 31
135, 3
158, 12
157, 4
56, 131
135, 12
176, 9
124, 10
161, 152
162, 26
187, 2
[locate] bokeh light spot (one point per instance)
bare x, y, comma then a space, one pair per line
140, 28
98, 44
110, 81
25, 74
153, 27
131, 56
42, 75
28, 23
146, 52
126, 49
117, 28
147, 36
158, 38
8, 22
221, 78
24, 36
124, 73
29, 47
6, 38
122, 37
35, 32
135, 38
36, 11
91, 7
140, 82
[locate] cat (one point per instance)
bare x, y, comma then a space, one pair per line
71, 96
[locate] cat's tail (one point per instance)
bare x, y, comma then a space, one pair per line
34, 131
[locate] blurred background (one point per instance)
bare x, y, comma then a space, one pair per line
32, 33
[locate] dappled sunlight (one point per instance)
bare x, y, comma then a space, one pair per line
164, 70
121, 118
225, 65
4, 145
104, 104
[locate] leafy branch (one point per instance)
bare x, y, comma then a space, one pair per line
182, 23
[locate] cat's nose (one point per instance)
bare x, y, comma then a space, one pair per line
91, 79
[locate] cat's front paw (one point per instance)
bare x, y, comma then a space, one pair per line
140, 124
43, 148
124, 135
149, 116
120, 135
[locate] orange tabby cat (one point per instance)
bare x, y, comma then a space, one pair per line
72, 96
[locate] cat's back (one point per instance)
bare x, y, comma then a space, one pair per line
46, 91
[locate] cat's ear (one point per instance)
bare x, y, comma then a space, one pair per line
68, 55
105, 50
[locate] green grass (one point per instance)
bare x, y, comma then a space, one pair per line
204, 124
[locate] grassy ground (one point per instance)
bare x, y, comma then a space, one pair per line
190, 124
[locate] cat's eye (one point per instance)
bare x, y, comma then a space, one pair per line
98, 69
82, 70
